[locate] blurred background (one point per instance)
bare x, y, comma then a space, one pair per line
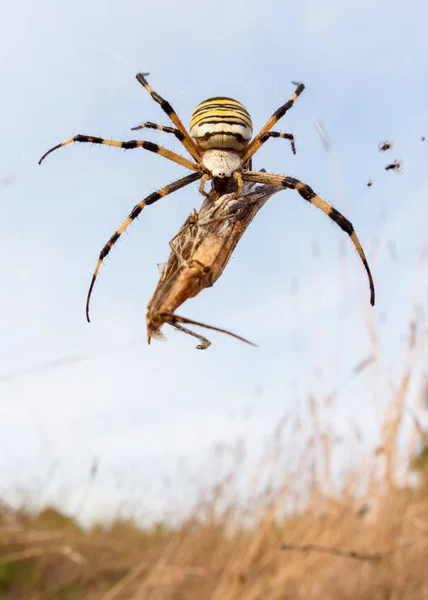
97, 423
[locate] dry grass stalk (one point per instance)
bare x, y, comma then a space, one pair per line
355, 554
42, 551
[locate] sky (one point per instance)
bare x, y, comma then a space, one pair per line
73, 394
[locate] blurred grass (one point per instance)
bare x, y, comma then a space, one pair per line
366, 540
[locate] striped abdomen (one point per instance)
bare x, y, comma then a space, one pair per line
221, 123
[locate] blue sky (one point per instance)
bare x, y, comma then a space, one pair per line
295, 285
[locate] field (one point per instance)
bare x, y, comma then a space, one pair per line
366, 538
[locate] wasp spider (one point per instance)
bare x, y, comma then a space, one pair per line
221, 145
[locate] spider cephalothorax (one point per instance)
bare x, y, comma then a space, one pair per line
221, 145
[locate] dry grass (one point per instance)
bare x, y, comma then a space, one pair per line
367, 541
207, 559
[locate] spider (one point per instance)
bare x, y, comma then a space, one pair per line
221, 145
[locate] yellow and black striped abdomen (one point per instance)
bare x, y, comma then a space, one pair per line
221, 123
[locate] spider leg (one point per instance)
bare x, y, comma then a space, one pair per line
276, 134
129, 145
151, 199
173, 319
165, 128
308, 194
187, 140
255, 144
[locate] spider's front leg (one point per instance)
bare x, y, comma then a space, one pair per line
308, 194
261, 137
186, 139
164, 128
276, 134
150, 199
128, 145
